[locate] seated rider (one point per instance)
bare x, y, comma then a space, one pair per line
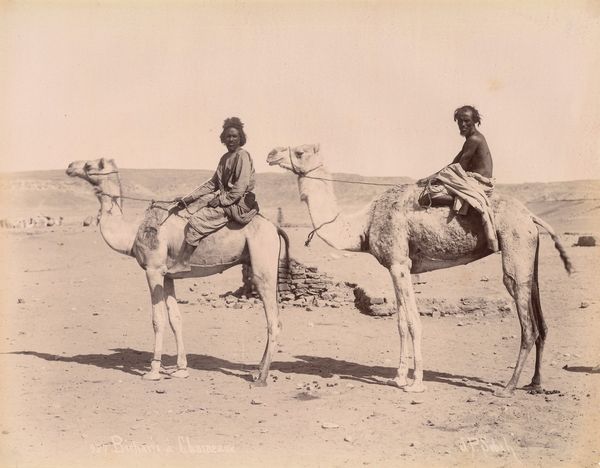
231, 184
468, 178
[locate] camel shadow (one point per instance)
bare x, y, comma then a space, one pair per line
374, 375
135, 362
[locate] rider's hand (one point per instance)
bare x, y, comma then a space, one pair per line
214, 202
180, 203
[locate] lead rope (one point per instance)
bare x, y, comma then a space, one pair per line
312, 233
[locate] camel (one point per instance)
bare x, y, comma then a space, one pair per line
407, 239
155, 242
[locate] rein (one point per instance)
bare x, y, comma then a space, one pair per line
312, 233
124, 197
300, 173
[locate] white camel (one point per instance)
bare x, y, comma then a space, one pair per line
155, 243
407, 238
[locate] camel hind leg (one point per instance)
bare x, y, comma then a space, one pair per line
540, 325
264, 254
518, 262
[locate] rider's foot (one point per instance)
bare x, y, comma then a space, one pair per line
182, 262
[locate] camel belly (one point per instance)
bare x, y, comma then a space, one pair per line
439, 238
226, 247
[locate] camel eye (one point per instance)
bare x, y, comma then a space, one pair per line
87, 167
298, 154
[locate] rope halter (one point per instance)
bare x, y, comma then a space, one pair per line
295, 168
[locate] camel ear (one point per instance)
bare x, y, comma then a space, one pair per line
317, 147
101, 163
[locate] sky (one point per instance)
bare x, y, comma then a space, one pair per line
375, 83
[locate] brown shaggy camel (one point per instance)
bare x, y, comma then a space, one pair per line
407, 238
155, 242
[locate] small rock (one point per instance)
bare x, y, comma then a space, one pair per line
484, 279
256, 402
584, 305
160, 390
459, 324
20, 301
471, 400
230, 299
328, 425
586, 241
417, 401
348, 438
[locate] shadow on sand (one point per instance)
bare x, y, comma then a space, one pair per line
136, 362
583, 369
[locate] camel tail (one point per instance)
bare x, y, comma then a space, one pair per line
557, 243
283, 268
283, 235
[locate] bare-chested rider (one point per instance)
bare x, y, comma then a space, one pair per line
474, 156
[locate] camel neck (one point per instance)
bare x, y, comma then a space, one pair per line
340, 230
118, 234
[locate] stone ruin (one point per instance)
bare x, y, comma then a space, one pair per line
302, 286
306, 287
33, 222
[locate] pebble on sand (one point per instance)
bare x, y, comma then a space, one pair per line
328, 425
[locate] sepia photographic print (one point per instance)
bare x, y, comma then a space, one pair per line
304, 234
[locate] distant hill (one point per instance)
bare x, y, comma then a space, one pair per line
574, 205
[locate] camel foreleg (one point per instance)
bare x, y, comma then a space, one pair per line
159, 320
177, 327
409, 323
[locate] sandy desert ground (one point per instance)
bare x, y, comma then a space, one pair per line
76, 337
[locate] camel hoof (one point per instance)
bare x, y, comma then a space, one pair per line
180, 374
504, 393
415, 388
400, 383
533, 388
259, 383
151, 376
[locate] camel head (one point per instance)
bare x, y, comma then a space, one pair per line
299, 159
92, 171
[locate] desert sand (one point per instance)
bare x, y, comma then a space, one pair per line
76, 337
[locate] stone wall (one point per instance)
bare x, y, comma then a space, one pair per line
304, 286
300, 285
